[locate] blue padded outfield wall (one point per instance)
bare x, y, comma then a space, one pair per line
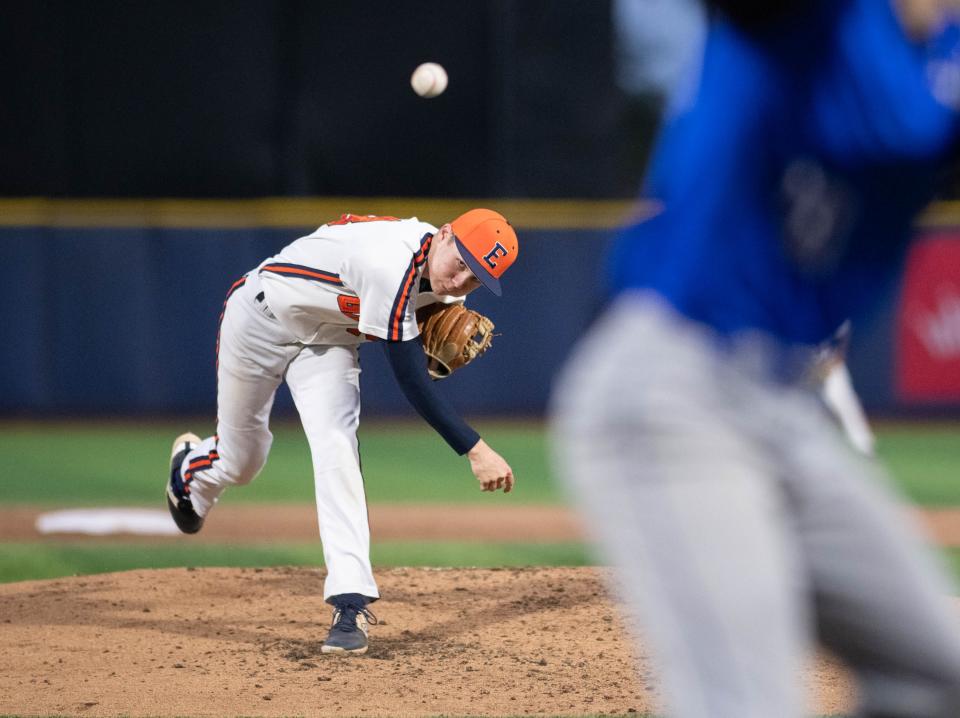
123, 321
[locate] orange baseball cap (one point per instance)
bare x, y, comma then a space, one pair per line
487, 244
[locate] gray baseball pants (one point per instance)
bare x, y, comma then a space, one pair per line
743, 528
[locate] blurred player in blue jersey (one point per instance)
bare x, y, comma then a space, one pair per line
789, 171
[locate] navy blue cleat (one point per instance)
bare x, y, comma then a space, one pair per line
178, 497
348, 630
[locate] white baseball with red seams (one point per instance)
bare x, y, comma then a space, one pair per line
429, 80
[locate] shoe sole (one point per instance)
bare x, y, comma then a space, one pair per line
185, 528
337, 651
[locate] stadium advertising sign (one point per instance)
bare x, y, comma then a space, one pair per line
928, 322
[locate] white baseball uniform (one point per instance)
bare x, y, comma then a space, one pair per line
299, 318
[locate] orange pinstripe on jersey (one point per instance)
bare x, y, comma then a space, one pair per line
353, 218
395, 329
298, 270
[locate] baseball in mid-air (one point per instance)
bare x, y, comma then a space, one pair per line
429, 79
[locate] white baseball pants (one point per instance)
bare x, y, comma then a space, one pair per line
743, 527
255, 354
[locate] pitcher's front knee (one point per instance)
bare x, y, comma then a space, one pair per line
242, 467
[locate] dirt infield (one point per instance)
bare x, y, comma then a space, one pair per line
390, 522
298, 522
226, 642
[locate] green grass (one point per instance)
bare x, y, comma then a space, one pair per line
924, 459
97, 464
23, 561
62, 464
38, 560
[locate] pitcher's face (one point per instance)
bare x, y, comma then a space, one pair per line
448, 273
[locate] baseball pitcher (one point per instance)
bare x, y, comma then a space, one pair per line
299, 317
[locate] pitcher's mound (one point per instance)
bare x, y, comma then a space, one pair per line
228, 642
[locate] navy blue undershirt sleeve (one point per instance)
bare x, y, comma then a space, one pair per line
409, 365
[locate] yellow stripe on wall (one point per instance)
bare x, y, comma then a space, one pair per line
311, 212
307, 212
941, 214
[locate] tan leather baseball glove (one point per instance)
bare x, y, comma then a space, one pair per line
453, 336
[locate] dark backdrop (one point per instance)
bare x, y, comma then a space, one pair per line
208, 98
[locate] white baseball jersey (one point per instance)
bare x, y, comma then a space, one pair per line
353, 279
